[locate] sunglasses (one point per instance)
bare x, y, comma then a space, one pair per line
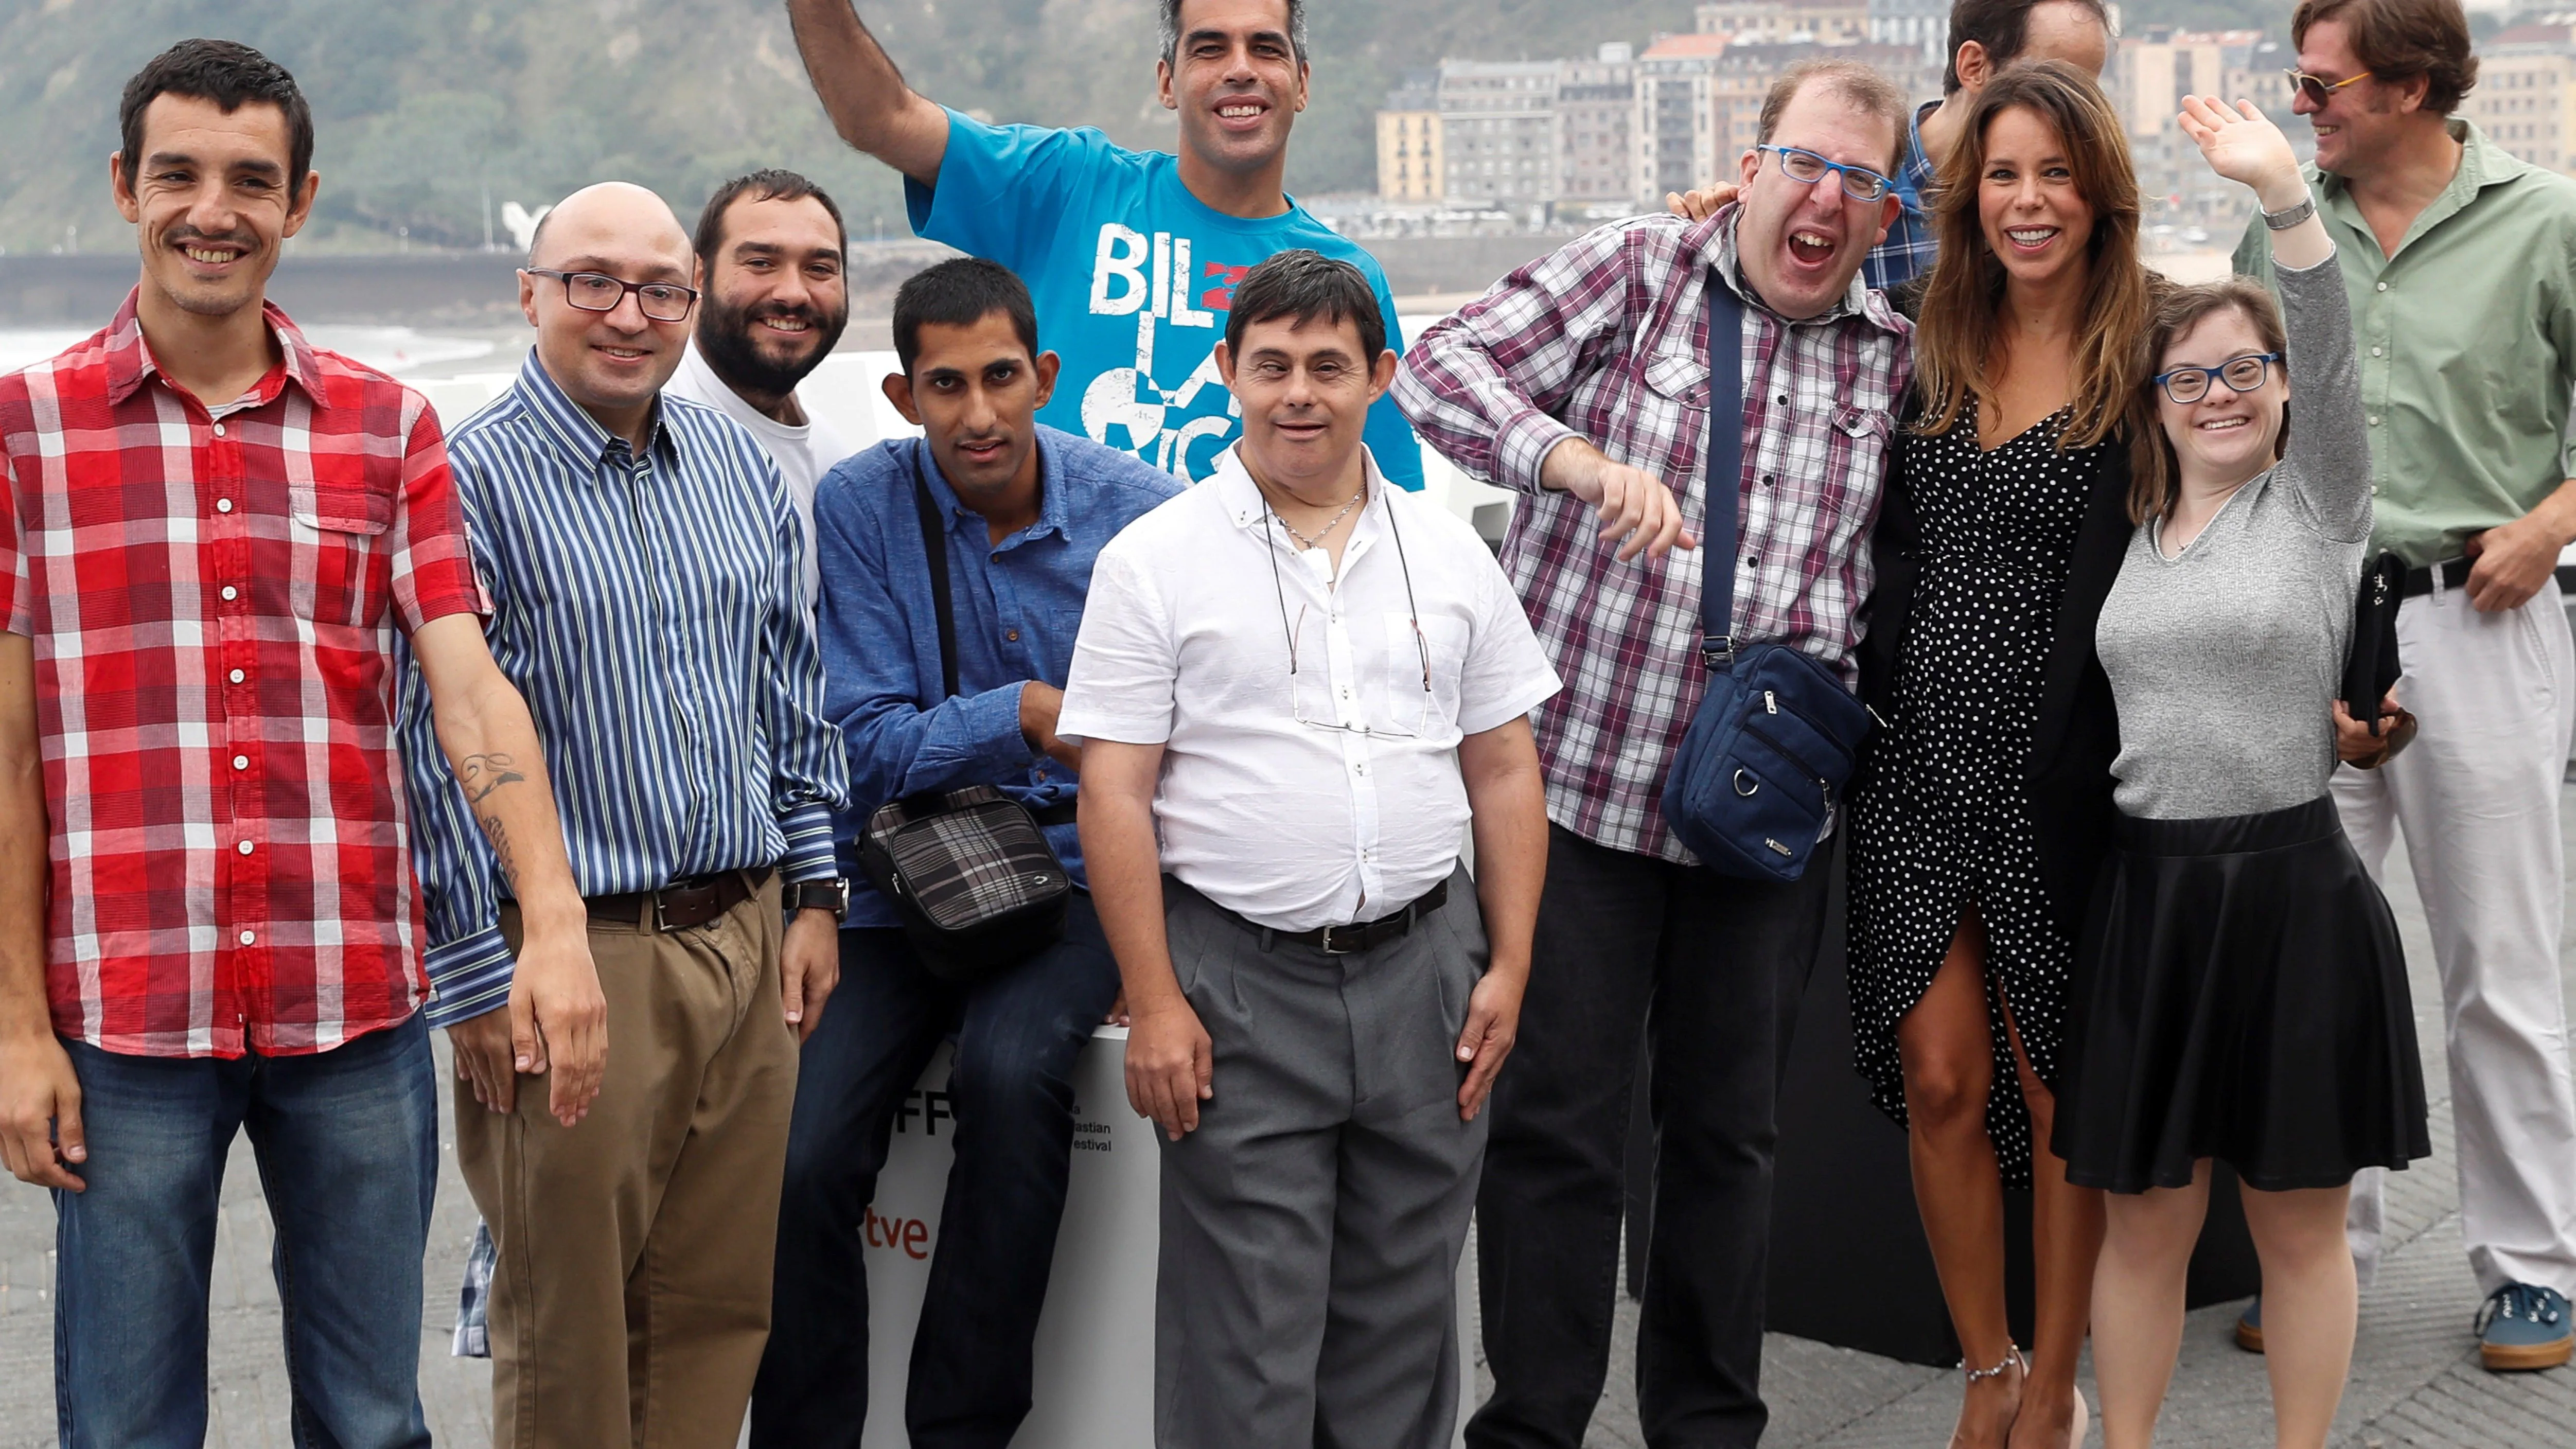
2317, 89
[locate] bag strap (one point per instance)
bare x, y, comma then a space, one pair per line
1725, 473
934, 543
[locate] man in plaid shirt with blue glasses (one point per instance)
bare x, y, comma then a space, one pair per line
1582, 382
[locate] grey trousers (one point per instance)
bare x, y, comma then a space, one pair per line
1312, 1225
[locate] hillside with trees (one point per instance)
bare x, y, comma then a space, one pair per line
431, 112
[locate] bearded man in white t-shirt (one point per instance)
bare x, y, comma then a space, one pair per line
771, 264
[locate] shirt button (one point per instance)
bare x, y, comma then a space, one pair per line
223, 505
2374, 352
1784, 399
247, 937
219, 430
241, 762
245, 847
231, 593
236, 676
1013, 636
2383, 286
2374, 420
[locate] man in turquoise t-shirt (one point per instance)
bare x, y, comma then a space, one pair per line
1132, 256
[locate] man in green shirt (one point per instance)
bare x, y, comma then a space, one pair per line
2461, 261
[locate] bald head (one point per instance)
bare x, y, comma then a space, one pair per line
612, 363
606, 209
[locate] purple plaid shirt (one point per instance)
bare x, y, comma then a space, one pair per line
1607, 339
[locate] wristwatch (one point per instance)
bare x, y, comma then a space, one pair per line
821, 895
2289, 217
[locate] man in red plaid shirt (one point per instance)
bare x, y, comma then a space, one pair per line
1582, 381
210, 533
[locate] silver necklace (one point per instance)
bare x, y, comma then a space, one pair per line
1327, 530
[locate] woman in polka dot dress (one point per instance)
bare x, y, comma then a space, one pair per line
1981, 808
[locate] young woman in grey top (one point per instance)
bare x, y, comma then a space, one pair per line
2247, 998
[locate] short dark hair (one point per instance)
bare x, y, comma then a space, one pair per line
771, 184
2002, 27
1172, 31
1305, 285
230, 74
2398, 40
960, 292
1855, 82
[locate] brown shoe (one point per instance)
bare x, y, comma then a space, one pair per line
2249, 1326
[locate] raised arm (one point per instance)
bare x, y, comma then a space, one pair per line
864, 94
2328, 462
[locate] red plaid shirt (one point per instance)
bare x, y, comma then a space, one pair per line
1608, 339
212, 599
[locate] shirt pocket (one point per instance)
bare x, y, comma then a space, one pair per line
1440, 652
336, 569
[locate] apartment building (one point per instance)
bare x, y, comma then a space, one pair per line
2525, 98
1498, 131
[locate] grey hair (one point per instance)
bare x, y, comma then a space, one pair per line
1172, 31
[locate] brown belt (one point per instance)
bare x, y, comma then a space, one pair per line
682, 903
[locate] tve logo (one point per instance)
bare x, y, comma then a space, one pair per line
909, 1235
1178, 428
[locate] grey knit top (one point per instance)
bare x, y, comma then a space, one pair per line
2225, 658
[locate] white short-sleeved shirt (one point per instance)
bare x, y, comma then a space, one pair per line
1339, 799
803, 454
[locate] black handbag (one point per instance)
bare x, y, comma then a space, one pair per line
2371, 666
1755, 783
969, 870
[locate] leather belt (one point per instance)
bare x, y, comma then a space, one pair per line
1351, 940
2455, 575
681, 904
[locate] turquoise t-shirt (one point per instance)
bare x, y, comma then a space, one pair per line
1132, 276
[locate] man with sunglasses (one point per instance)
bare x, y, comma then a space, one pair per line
645, 571
2461, 264
1298, 688
1582, 381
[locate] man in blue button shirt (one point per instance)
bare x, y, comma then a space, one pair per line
645, 572
1133, 255
1024, 510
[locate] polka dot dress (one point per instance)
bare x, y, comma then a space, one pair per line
1941, 818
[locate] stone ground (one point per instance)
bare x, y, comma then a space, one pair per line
2415, 1380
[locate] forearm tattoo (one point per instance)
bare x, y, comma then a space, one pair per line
483, 774
502, 852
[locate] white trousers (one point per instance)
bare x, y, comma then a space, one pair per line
2477, 795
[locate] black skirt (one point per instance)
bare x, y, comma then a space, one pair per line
2241, 995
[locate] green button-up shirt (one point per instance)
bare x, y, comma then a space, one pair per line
2467, 344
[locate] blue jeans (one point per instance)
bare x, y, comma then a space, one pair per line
1010, 1094
347, 1142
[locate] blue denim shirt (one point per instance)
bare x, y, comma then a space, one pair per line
1910, 246
1018, 606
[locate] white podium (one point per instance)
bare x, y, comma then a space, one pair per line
1095, 1348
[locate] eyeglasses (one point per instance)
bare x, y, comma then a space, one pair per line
1424, 723
2188, 385
2317, 89
598, 292
1806, 167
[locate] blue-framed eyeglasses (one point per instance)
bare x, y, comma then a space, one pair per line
1859, 182
2188, 385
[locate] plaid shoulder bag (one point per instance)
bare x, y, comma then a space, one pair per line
969, 870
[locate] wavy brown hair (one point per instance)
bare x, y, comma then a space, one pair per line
2154, 472
1955, 343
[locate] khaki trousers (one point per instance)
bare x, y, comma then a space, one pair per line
630, 1294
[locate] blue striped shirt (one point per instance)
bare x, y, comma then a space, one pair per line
1909, 246
648, 608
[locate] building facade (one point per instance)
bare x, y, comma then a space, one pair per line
1498, 131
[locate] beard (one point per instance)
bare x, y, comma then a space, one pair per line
728, 339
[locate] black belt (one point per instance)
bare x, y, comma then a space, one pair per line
2455, 575
1060, 813
682, 903
1351, 940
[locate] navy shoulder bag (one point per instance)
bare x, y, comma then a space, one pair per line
1760, 775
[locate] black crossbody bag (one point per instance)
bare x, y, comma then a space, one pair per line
1758, 776
969, 870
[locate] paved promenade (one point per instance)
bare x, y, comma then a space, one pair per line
2415, 1375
